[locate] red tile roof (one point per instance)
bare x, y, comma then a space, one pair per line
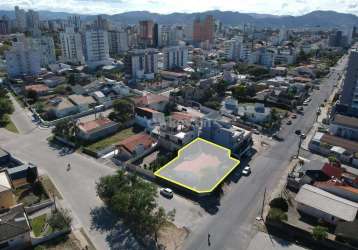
133, 141
150, 99
95, 124
322, 184
37, 88
178, 116
331, 170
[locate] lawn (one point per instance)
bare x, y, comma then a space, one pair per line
109, 141
38, 224
10, 126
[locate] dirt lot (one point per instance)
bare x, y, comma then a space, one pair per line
172, 237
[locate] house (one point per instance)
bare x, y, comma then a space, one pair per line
96, 129
15, 229
7, 196
54, 81
83, 103
180, 129
279, 71
100, 97
18, 174
40, 89
148, 118
238, 140
152, 101
62, 107
328, 145
344, 126
257, 113
318, 203
339, 188
134, 146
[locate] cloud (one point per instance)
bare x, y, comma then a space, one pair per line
281, 7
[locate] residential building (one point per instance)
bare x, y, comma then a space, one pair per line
152, 101
238, 140
15, 229
4, 25
23, 60
118, 42
20, 19
257, 113
18, 174
318, 203
180, 129
349, 96
62, 107
142, 64
46, 46
82, 102
39, 89
175, 57
33, 22
7, 195
204, 30
134, 146
344, 126
71, 47
146, 33
97, 49
148, 118
96, 129
338, 188
232, 48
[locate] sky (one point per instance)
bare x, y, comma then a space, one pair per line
277, 7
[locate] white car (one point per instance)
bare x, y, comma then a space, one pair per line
167, 192
246, 171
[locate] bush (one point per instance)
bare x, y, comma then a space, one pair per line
279, 203
276, 214
319, 232
60, 220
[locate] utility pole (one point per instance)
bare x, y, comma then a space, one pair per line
299, 146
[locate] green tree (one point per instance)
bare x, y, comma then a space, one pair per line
71, 79
276, 214
60, 219
135, 201
239, 91
319, 232
123, 111
32, 96
279, 203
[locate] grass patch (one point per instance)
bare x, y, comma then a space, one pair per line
50, 187
31, 195
9, 125
109, 141
38, 223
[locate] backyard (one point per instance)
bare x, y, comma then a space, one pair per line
113, 139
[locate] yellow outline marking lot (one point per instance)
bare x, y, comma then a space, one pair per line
237, 162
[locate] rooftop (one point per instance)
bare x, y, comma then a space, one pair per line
150, 99
13, 223
133, 141
347, 121
200, 166
331, 204
81, 99
349, 145
89, 126
5, 182
37, 88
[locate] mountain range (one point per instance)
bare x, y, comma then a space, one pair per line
312, 19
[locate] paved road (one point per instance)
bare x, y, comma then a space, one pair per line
232, 227
21, 118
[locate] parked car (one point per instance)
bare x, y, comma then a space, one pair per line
255, 131
167, 192
246, 171
289, 122
294, 116
298, 132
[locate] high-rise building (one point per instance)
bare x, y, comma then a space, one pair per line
337, 39
20, 19
97, 49
71, 47
204, 30
32, 21
142, 63
118, 42
349, 95
155, 35
232, 48
4, 25
100, 23
22, 60
46, 47
74, 22
146, 33
175, 57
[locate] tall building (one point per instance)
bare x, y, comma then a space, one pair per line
32, 21
71, 47
4, 25
100, 23
118, 42
155, 35
22, 60
142, 63
74, 22
204, 30
146, 33
97, 49
20, 19
349, 95
232, 48
46, 47
175, 57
